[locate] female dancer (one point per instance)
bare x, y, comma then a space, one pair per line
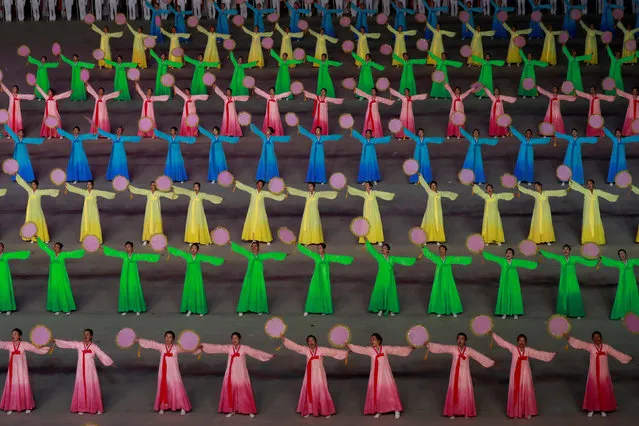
230, 123
525, 166
283, 80
632, 113
528, 71
407, 81
316, 168
174, 167
255, 52
117, 161
120, 82
573, 74
21, 152
421, 153
594, 108
42, 75
320, 108
486, 73
476, 45
400, 42
7, 298
100, 119
272, 115
496, 111
627, 295
153, 211
513, 56
90, 223
14, 110
616, 62
553, 113
267, 166
211, 53
474, 159
188, 109
324, 81
320, 42
592, 230
217, 159
199, 66
256, 227
59, 295
34, 211
573, 158
196, 229
372, 119
371, 211
148, 110
139, 50
492, 231
456, 105
444, 297
549, 51
78, 90
406, 115
105, 44
618, 156
362, 37
51, 110
541, 229
237, 79
433, 220
287, 35
174, 44
163, 64
437, 44
311, 227
590, 47
368, 165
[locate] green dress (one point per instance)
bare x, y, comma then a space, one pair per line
42, 76
78, 88
384, 296
438, 90
237, 80
59, 295
324, 76
528, 71
120, 81
319, 299
193, 295
408, 76
509, 301
627, 297
569, 302
444, 298
574, 71
365, 83
131, 298
197, 83
615, 70
486, 74
253, 295
7, 298
163, 67
283, 81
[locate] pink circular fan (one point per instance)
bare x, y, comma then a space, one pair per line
349, 83
286, 235
502, 15
381, 19
192, 21
275, 327
164, 183
158, 242
244, 118
606, 37
420, 17
229, 44
395, 125
125, 338
567, 87
272, 17
476, 86
249, 82
346, 121
24, 50
546, 129
348, 46
10, 166
528, 248
382, 84
519, 41
630, 45
360, 226
120, 183
596, 121
29, 230
178, 51
291, 119
528, 83
51, 121
337, 181
297, 87
276, 185
192, 120
475, 243
458, 118
417, 236
98, 54
40, 335
238, 20
149, 42
410, 167
56, 49
302, 24
466, 176
220, 236
4, 116
631, 321
575, 14
422, 45
590, 250
417, 336
58, 177
508, 180
386, 49
31, 79
299, 54
208, 78
481, 325
623, 179
120, 19
339, 336
145, 124
465, 51
91, 243
438, 76
133, 74
617, 14
189, 340
564, 37
558, 326
167, 80
535, 16
84, 75
464, 16
345, 21
564, 173
89, 18
608, 83
504, 120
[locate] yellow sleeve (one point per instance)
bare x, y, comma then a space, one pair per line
105, 194
211, 198
506, 196
386, 196
75, 190
329, 195
607, 196
276, 197
139, 191
182, 191
297, 193
22, 183
448, 194
480, 192
356, 192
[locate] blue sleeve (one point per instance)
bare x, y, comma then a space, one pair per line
487, 141
106, 134
280, 139
65, 134
185, 139
205, 132
358, 136
383, 140
410, 134
305, 132
590, 140
229, 139
516, 133
465, 134
257, 131
132, 139
433, 139
161, 134
332, 137
563, 136
630, 139
10, 132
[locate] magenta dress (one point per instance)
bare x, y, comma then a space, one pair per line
406, 116
272, 115
87, 397
230, 123
457, 105
594, 108
148, 110
17, 395
521, 391
382, 395
14, 110
315, 399
100, 119
372, 119
632, 113
51, 109
171, 394
460, 398
553, 113
600, 395
496, 111
320, 110
189, 108
237, 394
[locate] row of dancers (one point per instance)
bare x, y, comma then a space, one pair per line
382, 396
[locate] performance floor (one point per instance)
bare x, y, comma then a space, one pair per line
129, 388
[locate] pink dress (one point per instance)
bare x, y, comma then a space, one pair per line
15, 112
171, 394
553, 113
51, 110
382, 395
148, 110
17, 395
100, 119
189, 108
237, 394
406, 116
600, 395
632, 113
457, 105
315, 398
460, 398
372, 120
272, 116
521, 392
594, 109
496, 111
320, 110
87, 397
230, 124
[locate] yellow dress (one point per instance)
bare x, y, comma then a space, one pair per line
476, 44
437, 43
549, 51
433, 220
491, 229
371, 212
541, 229
197, 228
152, 212
286, 43
591, 44
90, 224
256, 227
362, 44
628, 35
311, 227
512, 57
139, 51
174, 44
211, 53
255, 52
320, 45
34, 209
105, 46
592, 230
400, 43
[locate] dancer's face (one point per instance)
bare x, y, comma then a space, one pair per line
385, 250
57, 248
194, 249
128, 248
509, 255
596, 339
320, 249
153, 187
235, 340
89, 186
622, 255
310, 187
521, 342
566, 251
461, 341
259, 185
15, 336
433, 186
168, 339
311, 342
86, 336
374, 341
367, 186
442, 251
255, 248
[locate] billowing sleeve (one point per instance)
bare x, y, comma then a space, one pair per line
102, 356
386, 196
619, 356
44, 247
360, 350
436, 348
215, 349
240, 250
150, 344
404, 261
492, 258
67, 344
104, 194
75, 190
540, 355
276, 197
334, 353
460, 260
503, 343
257, 354
479, 192
306, 252
177, 253
42, 350
526, 264
481, 358
139, 191
17, 255
607, 195
211, 198
449, 194
356, 192
329, 195
146, 257
291, 345
239, 185
398, 350
212, 260
273, 256
611, 263
549, 255
74, 254
108, 251
590, 263
371, 250
578, 344
341, 259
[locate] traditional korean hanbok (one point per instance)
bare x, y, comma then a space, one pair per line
400, 42
594, 108
283, 80
311, 227
316, 172
456, 105
525, 166
163, 67
78, 89
196, 229
496, 111
513, 56
498, 28
492, 231
433, 220
117, 161
365, 81
573, 74
174, 166
256, 227
258, 15
272, 115
188, 109
320, 44
51, 110
627, 295
42, 75
541, 228
230, 123
371, 213
553, 112
549, 50
155, 22
90, 223
17, 394
437, 44
368, 165
120, 81
528, 71
267, 166
407, 80
406, 115
320, 110
148, 110
139, 50
422, 155
174, 44
21, 154
34, 211
100, 118
570, 25
15, 111
476, 44
628, 35
444, 297
327, 18
222, 22
361, 15
474, 160
509, 300
153, 211
362, 48
255, 52
573, 158
105, 44
618, 155
632, 113
59, 295
465, 33
324, 80
590, 47
237, 79
211, 53
217, 159
592, 230
286, 46
615, 71
7, 297
372, 119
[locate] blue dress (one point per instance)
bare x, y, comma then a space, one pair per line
327, 19
607, 21
174, 166
498, 26
465, 32
154, 29
180, 22
316, 168
217, 159
117, 162
525, 166
474, 159
422, 155
78, 168
537, 32
222, 26
432, 18
618, 155
368, 166
573, 155
267, 167
258, 15
21, 154
400, 16
294, 16
570, 24
361, 20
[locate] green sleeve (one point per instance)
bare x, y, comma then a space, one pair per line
564, 49
233, 60
549, 255
478, 59
146, 257
74, 254
213, 260
419, 61
372, 251
273, 256
358, 58
492, 258
112, 63
591, 263
379, 67
277, 58
523, 263
66, 60
431, 256
44, 247
87, 65
611, 263
341, 259
190, 60
175, 64
128, 64
210, 64
51, 65
461, 260
240, 250
404, 261
19, 255
308, 252
398, 59
33, 61
177, 253
108, 251
157, 58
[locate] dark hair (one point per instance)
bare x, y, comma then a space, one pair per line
34, 180
432, 182
17, 330
510, 249
174, 128
444, 247
462, 335
591, 180
524, 336
489, 184
91, 181
236, 333
318, 127
171, 332
89, 330
370, 183
310, 336
128, 243
58, 243
270, 129
322, 245
378, 337
196, 245
312, 183
595, 333
260, 180
618, 251
257, 243
537, 183
216, 128
566, 246
386, 245
271, 88
76, 127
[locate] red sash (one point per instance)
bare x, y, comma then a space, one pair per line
369, 116
309, 375
268, 108
494, 109
46, 105
600, 353
227, 105
457, 99
164, 387
16, 351
147, 101
553, 99
456, 384
379, 354
16, 103
186, 106
521, 358
635, 102
592, 104
97, 112
85, 351
316, 105
229, 384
